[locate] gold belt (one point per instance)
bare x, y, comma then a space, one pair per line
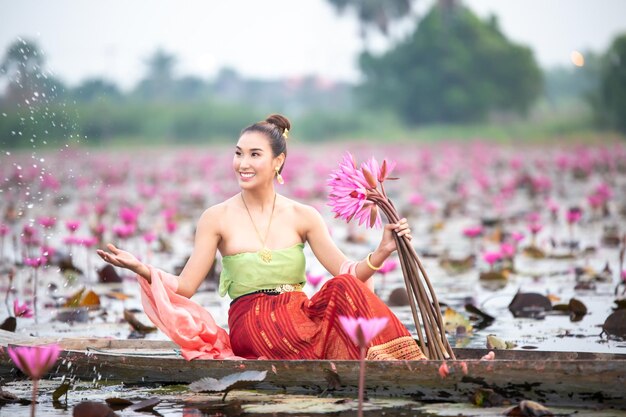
282, 288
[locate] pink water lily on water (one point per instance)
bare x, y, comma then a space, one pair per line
34, 361
314, 279
388, 266
22, 310
361, 330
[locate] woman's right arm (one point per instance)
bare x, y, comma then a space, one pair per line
203, 254
196, 268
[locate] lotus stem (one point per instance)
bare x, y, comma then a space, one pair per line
436, 345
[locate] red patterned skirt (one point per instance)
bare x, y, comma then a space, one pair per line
292, 326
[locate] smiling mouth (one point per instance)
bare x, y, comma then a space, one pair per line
247, 174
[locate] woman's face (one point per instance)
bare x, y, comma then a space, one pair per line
253, 161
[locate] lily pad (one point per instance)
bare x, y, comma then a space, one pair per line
229, 382
530, 305
615, 324
453, 320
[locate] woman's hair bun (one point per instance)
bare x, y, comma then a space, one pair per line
279, 121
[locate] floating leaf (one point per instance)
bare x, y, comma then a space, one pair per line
494, 342
74, 299
10, 324
61, 390
93, 409
529, 305
90, 299
493, 276
71, 315
146, 405
7, 397
452, 320
471, 308
486, 397
577, 309
398, 297
108, 274
615, 324
534, 252
138, 326
620, 304
118, 403
228, 383
117, 295
454, 266
527, 408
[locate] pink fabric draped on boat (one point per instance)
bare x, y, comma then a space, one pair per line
187, 323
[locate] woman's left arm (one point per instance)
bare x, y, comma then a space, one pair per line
329, 255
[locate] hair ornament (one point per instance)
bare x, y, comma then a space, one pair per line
286, 134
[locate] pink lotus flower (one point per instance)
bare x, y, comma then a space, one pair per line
472, 231
553, 207
492, 257
71, 240
22, 310
573, 215
129, 215
35, 262
87, 242
72, 225
349, 187
388, 266
47, 222
34, 361
314, 280
507, 250
361, 330
517, 236
171, 225
416, 199
149, 237
4, 229
124, 231
533, 217
534, 228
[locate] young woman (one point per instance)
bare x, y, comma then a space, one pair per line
261, 235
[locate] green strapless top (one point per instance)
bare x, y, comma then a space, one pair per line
245, 272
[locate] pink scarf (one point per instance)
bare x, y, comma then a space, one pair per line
187, 323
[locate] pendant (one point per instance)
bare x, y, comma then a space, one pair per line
266, 255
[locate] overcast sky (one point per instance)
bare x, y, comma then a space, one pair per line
266, 38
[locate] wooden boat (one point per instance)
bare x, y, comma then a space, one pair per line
553, 378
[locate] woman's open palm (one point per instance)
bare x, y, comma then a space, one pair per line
119, 257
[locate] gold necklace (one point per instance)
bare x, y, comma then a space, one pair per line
264, 253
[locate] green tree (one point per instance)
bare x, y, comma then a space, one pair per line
610, 100
23, 66
159, 81
95, 89
378, 14
455, 67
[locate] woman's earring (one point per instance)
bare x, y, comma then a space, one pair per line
279, 177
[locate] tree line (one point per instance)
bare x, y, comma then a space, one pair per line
453, 68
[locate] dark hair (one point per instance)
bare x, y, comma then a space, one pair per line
274, 127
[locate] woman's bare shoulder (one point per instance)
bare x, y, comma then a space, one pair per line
217, 212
